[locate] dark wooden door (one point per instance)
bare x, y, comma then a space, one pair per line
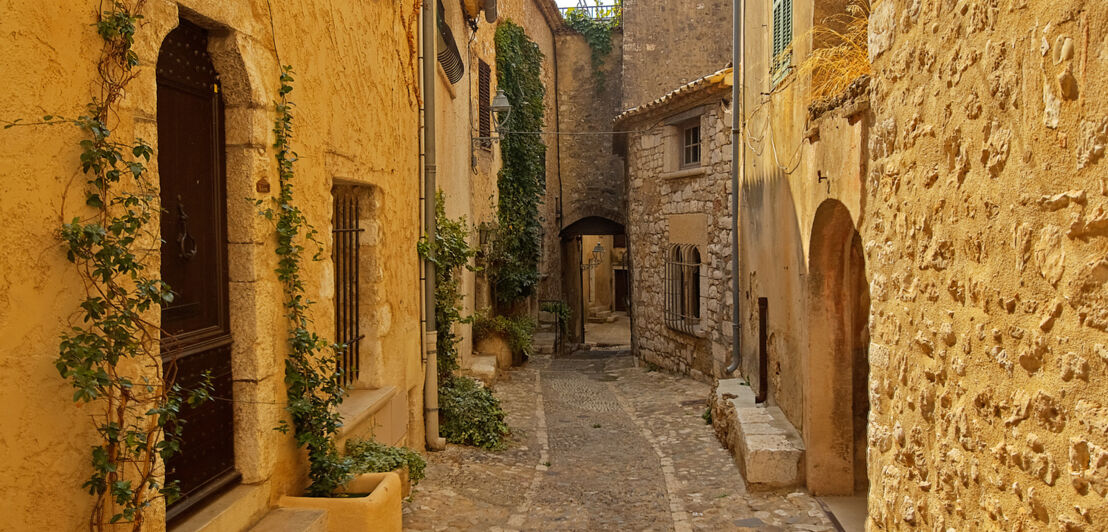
196, 339
623, 289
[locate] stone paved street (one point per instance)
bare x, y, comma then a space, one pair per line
598, 444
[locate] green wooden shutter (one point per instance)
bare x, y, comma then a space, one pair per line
782, 38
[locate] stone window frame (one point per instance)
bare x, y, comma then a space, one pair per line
366, 293
690, 144
684, 289
673, 145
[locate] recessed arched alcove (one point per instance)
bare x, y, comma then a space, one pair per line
837, 369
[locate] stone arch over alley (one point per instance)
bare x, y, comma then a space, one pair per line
836, 396
596, 275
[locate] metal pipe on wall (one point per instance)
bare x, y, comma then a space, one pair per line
738, 115
430, 169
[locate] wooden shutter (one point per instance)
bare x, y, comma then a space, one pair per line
484, 98
782, 38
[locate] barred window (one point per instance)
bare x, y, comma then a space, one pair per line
682, 302
345, 253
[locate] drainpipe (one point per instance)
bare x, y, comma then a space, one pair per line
738, 51
431, 382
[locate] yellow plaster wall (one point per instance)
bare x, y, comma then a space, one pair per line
779, 198
597, 282
986, 237
356, 121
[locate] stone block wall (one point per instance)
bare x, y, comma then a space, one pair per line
987, 236
655, 201
591, 173
669, 44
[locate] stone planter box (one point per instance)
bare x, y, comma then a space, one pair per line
405, 482
380, 511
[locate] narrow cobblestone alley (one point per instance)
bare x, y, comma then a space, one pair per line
598, 444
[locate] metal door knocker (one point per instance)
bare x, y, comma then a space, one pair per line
183, 235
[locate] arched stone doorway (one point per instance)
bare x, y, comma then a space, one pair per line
595, 242
253, 378
837, 370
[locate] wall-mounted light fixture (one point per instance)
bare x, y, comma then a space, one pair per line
502, 108
597, 258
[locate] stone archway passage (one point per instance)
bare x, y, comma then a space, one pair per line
836, 400
574, 286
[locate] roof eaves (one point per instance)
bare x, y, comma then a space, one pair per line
718, 79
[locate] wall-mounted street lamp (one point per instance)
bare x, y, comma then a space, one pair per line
597, 258
502, 108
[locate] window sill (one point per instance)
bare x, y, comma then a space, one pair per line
360, 405
695, 332
686, 172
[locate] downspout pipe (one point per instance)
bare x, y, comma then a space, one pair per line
738, 116
435, 442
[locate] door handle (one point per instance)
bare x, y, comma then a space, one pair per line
183, 236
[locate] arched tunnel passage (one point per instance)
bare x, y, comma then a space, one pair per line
596, 281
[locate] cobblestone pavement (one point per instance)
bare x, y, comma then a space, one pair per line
598, 444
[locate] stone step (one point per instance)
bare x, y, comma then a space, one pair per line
544, 343
767, 448
292, 520
484, 369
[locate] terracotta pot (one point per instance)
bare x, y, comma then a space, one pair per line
380, 511
497, 345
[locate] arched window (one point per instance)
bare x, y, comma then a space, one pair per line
682, 288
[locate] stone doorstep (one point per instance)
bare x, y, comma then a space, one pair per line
766, 447
231, 511
292, 520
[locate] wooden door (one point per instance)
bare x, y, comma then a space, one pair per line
623, 286
196, 337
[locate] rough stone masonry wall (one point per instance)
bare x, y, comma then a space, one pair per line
652, 201
669, 44
591, 172
986, 237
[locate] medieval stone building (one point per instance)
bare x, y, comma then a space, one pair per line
203, 96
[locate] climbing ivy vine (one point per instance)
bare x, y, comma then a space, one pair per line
597, 29
451, 254
112, 355
311, 369
469, 412
514, 261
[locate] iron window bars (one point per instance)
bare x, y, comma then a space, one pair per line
682, 288
345, 253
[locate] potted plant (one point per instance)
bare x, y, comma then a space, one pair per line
508, 337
